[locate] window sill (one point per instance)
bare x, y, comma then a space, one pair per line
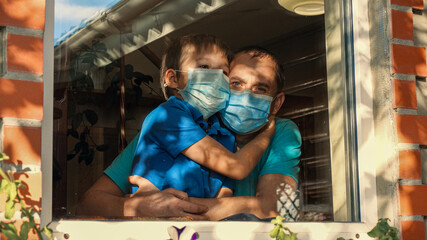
135, 229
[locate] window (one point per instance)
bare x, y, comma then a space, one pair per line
89, 59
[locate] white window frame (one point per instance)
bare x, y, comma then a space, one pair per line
98, 229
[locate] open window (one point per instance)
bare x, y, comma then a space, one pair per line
106, 80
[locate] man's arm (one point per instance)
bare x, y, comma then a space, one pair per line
106, 199
263, 205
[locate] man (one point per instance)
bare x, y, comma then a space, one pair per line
253, 69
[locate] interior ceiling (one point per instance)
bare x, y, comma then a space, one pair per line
245, 22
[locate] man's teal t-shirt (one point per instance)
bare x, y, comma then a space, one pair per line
281, 157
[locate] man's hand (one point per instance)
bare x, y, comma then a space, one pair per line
166, 203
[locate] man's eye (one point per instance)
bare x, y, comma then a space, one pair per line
235, 84
261, 90
204, 66
225, 73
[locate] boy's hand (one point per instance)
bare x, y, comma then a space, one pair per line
167, 203
270, 127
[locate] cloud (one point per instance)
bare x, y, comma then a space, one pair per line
73, 12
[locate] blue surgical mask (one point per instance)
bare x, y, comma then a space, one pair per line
246, 112
207, 90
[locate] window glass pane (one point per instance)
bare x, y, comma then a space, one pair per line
107, 63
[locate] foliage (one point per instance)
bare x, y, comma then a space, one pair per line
10, 186
280, 232
382, 231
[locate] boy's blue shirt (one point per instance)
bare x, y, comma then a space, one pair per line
281, 157
168, 130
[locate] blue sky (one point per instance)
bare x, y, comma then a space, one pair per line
69, 13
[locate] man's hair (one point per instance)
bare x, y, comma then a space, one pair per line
175, 53
260, 52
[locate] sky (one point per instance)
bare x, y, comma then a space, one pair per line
69, 13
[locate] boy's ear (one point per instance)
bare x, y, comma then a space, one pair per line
277, 103
171, 79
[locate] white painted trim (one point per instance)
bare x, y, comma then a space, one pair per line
364, 113
47, 123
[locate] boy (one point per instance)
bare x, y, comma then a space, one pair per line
184, 132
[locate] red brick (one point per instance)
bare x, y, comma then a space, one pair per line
404, 94
412, 230
23, 13
408, 60
417, 4
412, 128
410, 164
22, 144
412, 199
402, 26
21, 99
24, 54
31, 195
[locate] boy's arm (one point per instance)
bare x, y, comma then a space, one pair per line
211, 154
264, 205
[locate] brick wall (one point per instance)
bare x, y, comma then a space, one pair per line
21, 96
409, 72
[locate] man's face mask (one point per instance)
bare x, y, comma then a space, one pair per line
246, 112
208, 90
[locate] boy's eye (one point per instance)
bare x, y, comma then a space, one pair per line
204, 66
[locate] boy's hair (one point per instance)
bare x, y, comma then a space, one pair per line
260, 52
174, 53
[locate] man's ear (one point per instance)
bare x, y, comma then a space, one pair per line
277, 103
171, 79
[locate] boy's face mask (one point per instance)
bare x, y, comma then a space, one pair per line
246, 112
208, 90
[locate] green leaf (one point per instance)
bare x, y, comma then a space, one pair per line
73, 133
102, 148
90, 157
275, 231
78, 147
4, 186
3, 156
100, 47
9, 230
70, 156
91, 116
25, 228
9, 209
48, 232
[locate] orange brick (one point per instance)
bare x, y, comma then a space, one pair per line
417, 4
408, 60
412, 128
24, 54
402, 26
412, 199
410, 164
404, 94
21, 99
22, 144
412, 230
31, 196
23, 13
